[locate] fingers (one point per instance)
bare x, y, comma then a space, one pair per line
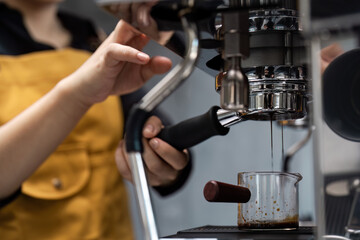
158, 170
176, 159
124, 32
162, 162
138, 42
122, 161
329, 53
152, 127
157, 65
116, 53
133, 76
166, 153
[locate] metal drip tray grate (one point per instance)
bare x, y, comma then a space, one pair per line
233, 232
338, 207
235, 229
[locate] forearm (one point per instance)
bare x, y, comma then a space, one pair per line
28, 139
117, 67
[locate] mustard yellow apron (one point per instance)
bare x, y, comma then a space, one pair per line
77, 193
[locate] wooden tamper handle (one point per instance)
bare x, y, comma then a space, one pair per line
215, 191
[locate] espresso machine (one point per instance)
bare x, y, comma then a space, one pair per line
267, 52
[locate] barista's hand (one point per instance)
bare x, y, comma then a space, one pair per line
117, 67
328, 54
163, 162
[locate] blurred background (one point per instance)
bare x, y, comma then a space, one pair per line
246, 148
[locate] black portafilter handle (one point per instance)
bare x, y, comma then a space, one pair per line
193, 131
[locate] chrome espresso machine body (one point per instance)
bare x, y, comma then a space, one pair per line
262, 62
272, 59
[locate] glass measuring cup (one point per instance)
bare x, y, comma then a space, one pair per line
273, 203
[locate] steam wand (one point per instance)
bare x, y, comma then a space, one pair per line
141, 112
295, 148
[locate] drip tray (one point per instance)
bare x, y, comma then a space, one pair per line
233, 232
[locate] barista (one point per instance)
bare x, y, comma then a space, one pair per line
61, 121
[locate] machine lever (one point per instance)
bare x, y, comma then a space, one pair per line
193, 131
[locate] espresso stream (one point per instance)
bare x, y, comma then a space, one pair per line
271, 144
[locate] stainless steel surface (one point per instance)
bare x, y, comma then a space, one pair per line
178, 74
156, 95
274, 19
301, 123
288, 74
317, 121
277, 84
335, 237
277, 92
290, 152
228, 118
277, 106
143, 195
235, 34
280, 94
353, 225
234, 94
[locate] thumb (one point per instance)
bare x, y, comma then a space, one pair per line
152, 127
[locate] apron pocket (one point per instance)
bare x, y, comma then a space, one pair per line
63, 174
